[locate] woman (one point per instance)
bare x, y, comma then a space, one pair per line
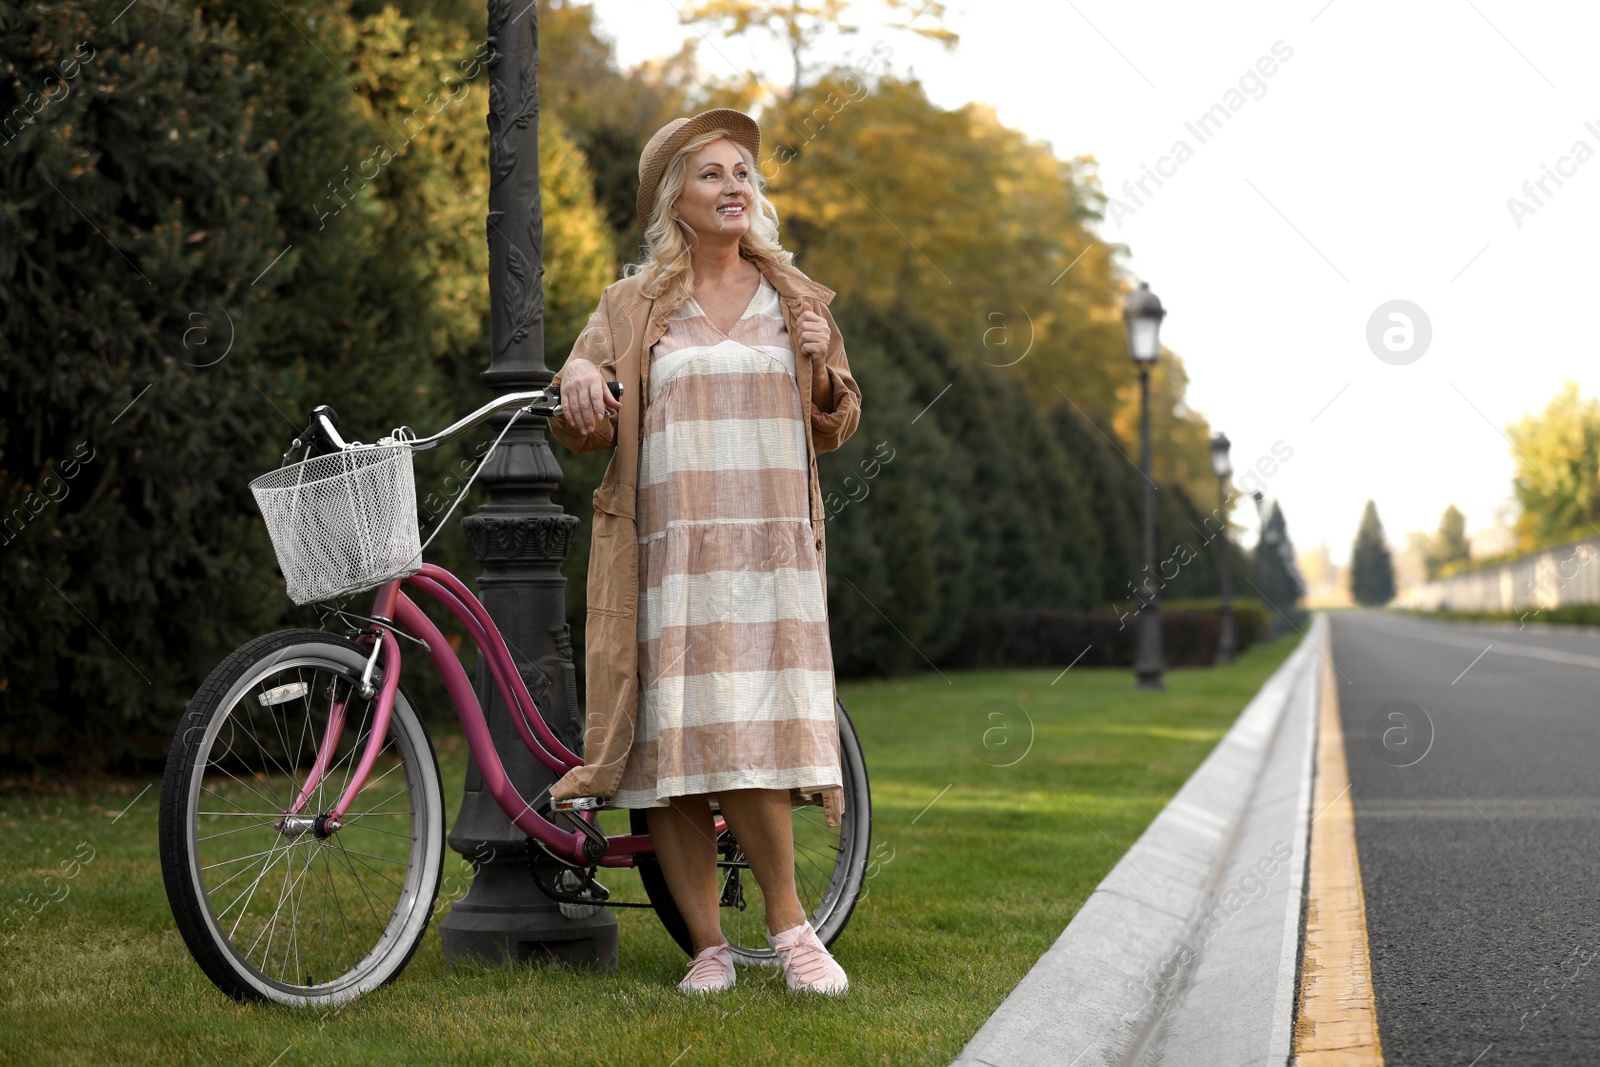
709, 670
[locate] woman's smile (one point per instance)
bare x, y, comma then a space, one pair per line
717, 193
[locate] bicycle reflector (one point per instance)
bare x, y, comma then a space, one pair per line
282, 694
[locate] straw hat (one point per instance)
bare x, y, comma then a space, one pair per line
671, 137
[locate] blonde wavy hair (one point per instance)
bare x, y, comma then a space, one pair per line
668, 274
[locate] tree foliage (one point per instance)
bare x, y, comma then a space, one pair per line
303, 187
984, 233
1449, 547
1371, 566
1274, 575
800, 25
1557, 473
218, 227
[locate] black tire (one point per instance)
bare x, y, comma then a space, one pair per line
241, 751
828, 897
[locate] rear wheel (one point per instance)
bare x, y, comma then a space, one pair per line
830, 864
280, 910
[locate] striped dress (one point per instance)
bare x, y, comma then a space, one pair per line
735, 670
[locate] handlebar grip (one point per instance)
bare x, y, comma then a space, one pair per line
321, 433
614, 388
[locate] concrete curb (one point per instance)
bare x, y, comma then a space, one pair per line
1188, 951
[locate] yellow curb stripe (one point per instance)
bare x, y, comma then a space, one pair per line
1337, 1020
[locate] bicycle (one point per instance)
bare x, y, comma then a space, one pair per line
302, 825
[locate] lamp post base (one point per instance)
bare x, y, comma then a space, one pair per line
1227, 643
523, 927
1148, 662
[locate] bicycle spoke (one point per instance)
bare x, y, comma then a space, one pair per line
322, 779
294, 915
347, 761
814, 880
369, 783
241, 859
300, 744
359, 883
362, 815
374, 870
242, 811
270, 926
245, 723
801, 846
284, 895
821, 870
381, 830
810, 890
269, 815
246, 785
213, 890
294, 919
229, 833
242, 722
249, 894
344, 922
386, 814
351, 759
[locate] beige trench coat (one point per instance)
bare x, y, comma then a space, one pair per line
618, 340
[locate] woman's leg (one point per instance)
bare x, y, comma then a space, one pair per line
686, 845
761, 821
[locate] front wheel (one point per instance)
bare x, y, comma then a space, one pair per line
830, 866
270, 908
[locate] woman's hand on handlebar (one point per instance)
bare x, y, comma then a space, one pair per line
584, 396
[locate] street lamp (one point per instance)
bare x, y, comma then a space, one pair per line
521, 537
1227, 644
1143, 314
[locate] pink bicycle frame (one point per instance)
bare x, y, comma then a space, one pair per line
392, 604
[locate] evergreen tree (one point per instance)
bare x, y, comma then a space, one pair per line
1275, 575
141, 206
896, 501
1185, 548
1449, 545
1109, 524
214, 233
1371, 567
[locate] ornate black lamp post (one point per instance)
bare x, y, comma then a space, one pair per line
521, 539
1227, 643
1143, 314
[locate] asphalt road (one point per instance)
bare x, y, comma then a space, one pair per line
1475, 777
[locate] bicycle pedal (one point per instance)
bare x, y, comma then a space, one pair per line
579, 804
732, 892
581, 889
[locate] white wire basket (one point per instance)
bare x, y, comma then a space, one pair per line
344, 522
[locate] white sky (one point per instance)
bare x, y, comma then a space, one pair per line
1376, 166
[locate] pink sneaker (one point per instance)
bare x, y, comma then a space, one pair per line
710, 972
807, 965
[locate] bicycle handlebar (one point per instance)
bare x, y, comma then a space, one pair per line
322, 427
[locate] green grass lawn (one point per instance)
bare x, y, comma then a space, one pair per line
1036, 783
